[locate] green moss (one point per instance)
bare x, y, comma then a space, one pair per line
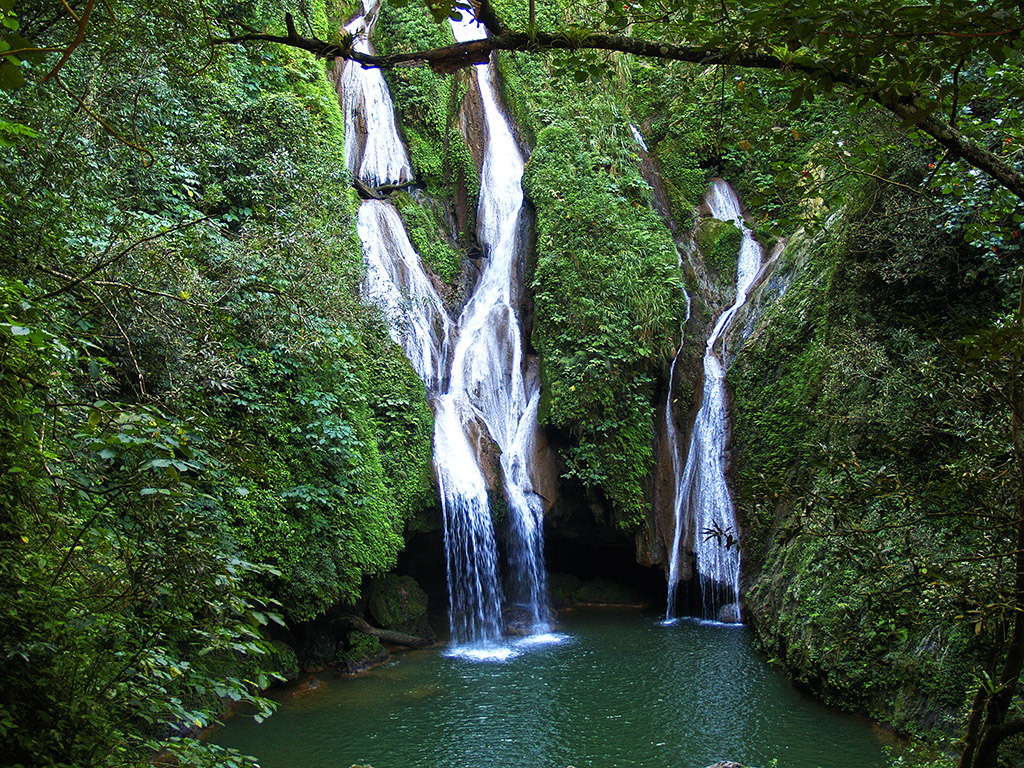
425, 225
359, 652
684, 183
404, 428
608, 306
568, 590
399, 603
427, 105
850, 470
719, 244
284, 662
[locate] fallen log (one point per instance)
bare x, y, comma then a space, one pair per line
387, 189
366, 192
388, 636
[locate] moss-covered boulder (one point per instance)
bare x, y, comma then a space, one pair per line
317, 645
400, 604
359, 652
719, 244
283, 661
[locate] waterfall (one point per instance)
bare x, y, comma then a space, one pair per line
703, 510
373, 151
487, 373
639, 137
396, 281
487, 385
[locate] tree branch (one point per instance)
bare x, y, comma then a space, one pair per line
454, 57
388, 636
1007, 729
77, 41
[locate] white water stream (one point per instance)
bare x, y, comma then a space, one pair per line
487, 385
489, 379
373, 151
705, 519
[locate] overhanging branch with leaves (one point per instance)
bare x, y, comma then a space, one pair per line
821, 75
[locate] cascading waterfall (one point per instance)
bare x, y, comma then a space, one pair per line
373, 151
487, 374
396, 281
704, 514
639, 137
486, 383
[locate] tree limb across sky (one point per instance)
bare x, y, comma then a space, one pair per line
905, 58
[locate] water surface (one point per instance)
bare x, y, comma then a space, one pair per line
621, 689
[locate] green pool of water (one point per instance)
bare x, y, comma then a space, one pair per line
617, 690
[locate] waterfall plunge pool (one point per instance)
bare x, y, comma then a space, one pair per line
620, 689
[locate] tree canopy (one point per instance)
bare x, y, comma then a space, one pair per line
949, 69
186, 391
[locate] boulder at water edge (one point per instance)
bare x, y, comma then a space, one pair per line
399, 603
730, 614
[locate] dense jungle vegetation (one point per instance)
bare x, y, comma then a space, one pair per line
207, 434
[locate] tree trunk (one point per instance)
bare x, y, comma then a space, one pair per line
388, 636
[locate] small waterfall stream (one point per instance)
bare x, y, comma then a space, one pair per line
704, 514
373, 151
487, 384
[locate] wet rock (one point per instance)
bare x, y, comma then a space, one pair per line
730, 614
544, 466
284, 661
568, 590
488, 456
317, 645
725, 764
518, 620
400, 604
307, 686
360, 652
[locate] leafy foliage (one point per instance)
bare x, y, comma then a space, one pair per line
886, 575
117, 567
427, 105
603, 316
201, 419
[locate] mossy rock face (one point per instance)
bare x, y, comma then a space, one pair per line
317, 646
359, 652
719, 243
562, 587
400, 604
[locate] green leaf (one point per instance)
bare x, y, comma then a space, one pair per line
11, 77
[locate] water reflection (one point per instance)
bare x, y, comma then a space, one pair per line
503, 714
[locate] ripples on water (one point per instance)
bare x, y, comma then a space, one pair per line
612, 689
